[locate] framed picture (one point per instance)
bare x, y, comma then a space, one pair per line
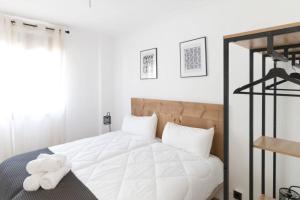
193, 58
148, 64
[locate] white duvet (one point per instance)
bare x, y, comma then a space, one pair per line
153, 172
88, 151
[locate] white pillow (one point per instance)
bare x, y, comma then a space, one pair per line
194, 140
142, 126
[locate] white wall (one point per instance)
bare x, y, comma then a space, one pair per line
212, 19
82, 62
106, 63
89, 61
89, 66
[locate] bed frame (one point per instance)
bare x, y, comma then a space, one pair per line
199, 115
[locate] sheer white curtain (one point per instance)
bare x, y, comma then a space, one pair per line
32, 110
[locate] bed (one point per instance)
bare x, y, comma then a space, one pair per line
118, 166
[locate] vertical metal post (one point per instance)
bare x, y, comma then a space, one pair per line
226, 119
270, 48
251, 102
293, 59
263, 128
274, 134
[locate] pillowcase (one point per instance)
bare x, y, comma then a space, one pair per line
193, 140
142, 126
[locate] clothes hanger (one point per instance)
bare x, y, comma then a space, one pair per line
273, 73
294, 75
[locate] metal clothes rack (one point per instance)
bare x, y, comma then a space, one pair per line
284, 39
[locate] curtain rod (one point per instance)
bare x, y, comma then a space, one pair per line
34, 25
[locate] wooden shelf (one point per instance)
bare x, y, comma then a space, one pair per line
279, 40
281, 146
263, 197
262, 30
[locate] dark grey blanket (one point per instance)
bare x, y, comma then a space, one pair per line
13, 173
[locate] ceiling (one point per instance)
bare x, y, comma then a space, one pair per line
108, 16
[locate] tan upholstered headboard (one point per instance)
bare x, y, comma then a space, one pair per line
199, 115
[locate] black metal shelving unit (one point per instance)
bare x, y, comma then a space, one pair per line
284, 40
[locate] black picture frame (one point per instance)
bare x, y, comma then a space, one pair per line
205, 69
155, 74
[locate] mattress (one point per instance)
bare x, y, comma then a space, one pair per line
153, 172
87, 151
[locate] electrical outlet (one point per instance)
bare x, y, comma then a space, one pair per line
237, 195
